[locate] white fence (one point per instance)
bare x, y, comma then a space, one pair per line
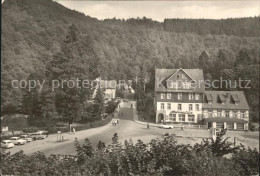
190, 126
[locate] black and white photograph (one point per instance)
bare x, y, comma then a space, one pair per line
130, 88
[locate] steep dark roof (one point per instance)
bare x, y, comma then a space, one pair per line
228, 98
161, 75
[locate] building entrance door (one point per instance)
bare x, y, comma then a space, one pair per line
161, 118
209, 125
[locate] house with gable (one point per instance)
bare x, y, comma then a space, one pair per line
180, 97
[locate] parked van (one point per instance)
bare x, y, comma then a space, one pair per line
38, 135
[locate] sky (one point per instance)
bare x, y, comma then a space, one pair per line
159, 10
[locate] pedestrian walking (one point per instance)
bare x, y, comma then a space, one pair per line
148, 126
74, 130
118, 121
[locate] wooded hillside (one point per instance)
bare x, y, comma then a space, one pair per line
34, 31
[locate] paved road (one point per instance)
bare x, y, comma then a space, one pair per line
126, 129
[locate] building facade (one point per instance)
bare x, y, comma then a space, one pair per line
226, 109
180, 97
109, 88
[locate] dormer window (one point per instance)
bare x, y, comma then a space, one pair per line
162, 95
209, 98
235, 98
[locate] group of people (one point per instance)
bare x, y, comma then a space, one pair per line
115, 122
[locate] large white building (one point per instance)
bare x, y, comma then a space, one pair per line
180, 97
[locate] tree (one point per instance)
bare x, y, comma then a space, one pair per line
99, 103
203, 61
68, 69
218, 147
115, 139
72, 34
243, 59
8, 108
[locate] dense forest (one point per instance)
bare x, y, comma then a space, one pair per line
38, 42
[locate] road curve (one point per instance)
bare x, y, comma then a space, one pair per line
126, 129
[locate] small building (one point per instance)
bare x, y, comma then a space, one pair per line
109, 88
226, 109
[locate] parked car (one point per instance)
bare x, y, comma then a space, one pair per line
26, 137
38, 135
7, 144
167, 126
44, 133
17, 141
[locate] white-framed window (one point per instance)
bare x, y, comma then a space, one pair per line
170, 84
179, 107
191, 118
169, 106
190, 107
191, 96
210, 113
179, 96
219, 113
181, 117
197, 96
197, 107
172, 116
186, 85
169, 95
226, 113
235, 114
242, 114
162, 95
175, 85
162, 105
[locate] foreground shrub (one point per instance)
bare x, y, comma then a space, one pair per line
159, 157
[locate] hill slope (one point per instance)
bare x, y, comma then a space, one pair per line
34, 30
